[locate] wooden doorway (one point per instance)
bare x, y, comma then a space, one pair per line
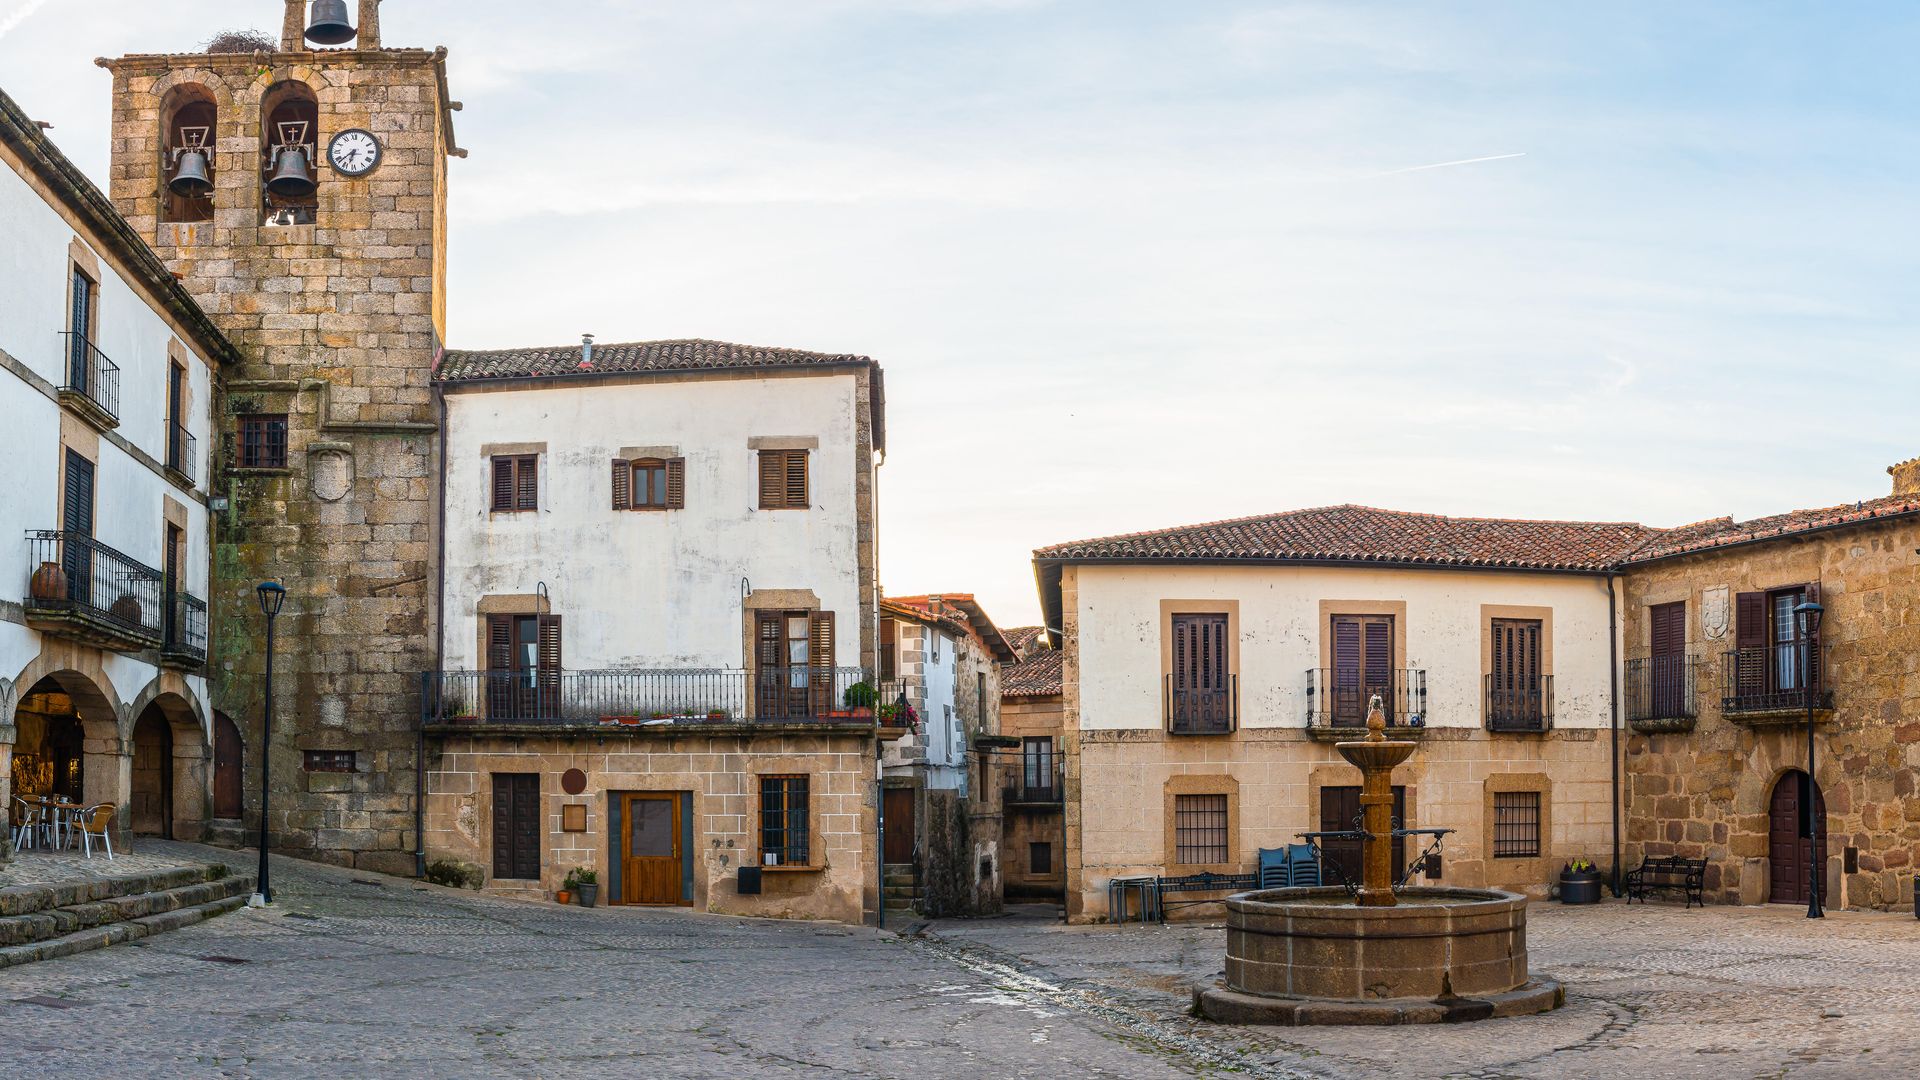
227, 760
1362, 667
650, 852
516, 826
1339, 811
151, 810
900, 825
1793, 843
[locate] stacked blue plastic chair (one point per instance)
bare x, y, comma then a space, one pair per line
1303, 870
1275, 868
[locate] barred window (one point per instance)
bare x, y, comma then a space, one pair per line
263, 441
783, 821
1199, 829
1040, 857
1516, 825
330, 760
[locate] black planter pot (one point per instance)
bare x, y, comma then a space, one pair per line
586, 894
1580, 888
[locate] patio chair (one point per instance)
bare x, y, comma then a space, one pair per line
1274, 868
26, 822
96, 823
1303, 869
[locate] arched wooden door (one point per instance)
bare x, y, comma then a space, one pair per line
1792, 852
152, 807
226, 767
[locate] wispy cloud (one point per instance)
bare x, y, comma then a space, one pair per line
19, 15
1450, 164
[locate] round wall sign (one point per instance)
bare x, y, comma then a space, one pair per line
573, 781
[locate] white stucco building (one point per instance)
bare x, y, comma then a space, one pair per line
107, 375
1208, 671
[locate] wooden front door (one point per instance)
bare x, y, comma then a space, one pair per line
1790, 849
516, 825
226, 767
650, 852
899, 810
1340, 811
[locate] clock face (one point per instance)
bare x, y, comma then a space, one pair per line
354, 152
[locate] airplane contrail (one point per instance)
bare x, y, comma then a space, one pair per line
1449, 164
8, 22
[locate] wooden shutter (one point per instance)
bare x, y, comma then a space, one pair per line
1750, 643
622, 484
547, 665
1516, 694
503, 485
796, 478
1200, 673
770, 675
1669, 624
676, 483
820, 661
527, 477
1814, 672
772, 490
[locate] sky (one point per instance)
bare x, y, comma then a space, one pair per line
1131, 265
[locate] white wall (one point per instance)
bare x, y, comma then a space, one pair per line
1118, 610
653, 589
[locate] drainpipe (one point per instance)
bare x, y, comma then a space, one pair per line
439, 629
1613, 696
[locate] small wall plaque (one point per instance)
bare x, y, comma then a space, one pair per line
573, 781
573, 818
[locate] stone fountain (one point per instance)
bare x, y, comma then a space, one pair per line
1377, 955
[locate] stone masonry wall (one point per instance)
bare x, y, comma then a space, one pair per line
338, 320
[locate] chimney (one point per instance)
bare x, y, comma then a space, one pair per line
1906, 477
369, 25
586, 350
293, 28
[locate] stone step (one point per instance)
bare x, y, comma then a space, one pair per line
49, 923
99, 937
26, 899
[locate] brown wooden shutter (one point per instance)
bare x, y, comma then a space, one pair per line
499, 681
796, 478
547, 662
676, 483
1669, 623
820, 660
1751, 658
1814, 671
622, 484
1379, 663
503, 486
772, 492
527, 476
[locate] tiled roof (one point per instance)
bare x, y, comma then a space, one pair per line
1022, 638
1036, 676
562, 361
959, 611
1364, 534
1724, 531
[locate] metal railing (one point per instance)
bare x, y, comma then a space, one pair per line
91, 375
1034, 783
1519, 703
182, 448
79, 576
186, 627
1212, 711
1338, 697
656, 697
1663, 687
1774, 678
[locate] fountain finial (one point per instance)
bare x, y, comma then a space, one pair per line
1376, 721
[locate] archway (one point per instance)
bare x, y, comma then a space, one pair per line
189, 126
168, 787
151, 811
1795, 846
67, 742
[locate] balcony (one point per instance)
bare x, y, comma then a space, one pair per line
1771, 684
182, 451
92, 388
1338, 698
1662, 693
185, 642
652, 698
1202, 711
1038, 786
1519, 704
83, 589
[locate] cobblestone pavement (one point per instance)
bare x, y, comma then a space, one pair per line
360, 975
1652, 991
39, 867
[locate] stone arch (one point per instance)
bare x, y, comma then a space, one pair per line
69, 679
189, 119
289, 120
170, 784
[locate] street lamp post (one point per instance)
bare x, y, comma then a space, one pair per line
1808, 613
272, 594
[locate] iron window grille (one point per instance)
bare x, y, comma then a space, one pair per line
1516, 825
340, 761
783, 821
263, 441
1199, 829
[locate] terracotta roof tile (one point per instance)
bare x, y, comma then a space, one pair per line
1022, 638
1724, 531
562, 361
1365, 534
1036, 676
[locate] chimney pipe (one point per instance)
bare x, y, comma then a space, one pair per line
586, 349
1906, 477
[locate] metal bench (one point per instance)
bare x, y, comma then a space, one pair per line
1199, 883
1689, 875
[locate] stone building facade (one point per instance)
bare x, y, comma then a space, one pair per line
1715, 697
1032, 835
326, 452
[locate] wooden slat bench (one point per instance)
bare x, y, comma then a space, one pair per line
1689, 875
1199, 883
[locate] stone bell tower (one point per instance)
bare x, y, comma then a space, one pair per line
299, 192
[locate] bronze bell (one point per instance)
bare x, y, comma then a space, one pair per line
327, 25
190, 180
292, 176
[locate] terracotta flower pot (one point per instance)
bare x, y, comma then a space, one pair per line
127, 608
49, 582
563, 897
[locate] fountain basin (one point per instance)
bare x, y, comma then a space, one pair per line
1313, 956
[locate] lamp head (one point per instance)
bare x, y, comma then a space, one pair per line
272, 594
1809, 612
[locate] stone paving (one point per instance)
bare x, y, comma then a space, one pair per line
36, 866
352, 974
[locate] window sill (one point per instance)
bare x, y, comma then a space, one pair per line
526, 510
789, 869
259, 470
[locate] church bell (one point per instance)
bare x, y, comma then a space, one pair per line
327, 24
190, 180
292, 174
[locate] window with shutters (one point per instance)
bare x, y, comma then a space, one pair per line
263, 441
783, 480
1516, 825
516, 483
889, 635
1773, 666
1199, 688
794, 676
1363, 667
1518, 688
523, 667
650, 484
1040, 857
785, 838
1199, 829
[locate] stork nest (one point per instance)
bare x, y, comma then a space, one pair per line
242, 41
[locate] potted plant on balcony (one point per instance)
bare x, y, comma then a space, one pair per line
859, 698
126, 609
1580, 883
716, 714
49, 582
584, 883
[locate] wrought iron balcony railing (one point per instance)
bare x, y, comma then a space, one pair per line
1208, 711
1775, 678
1663, 688
1338, 697
182, 449
1519, 703
185, 640
83, 587
93, 381
1035, 783
653, 697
